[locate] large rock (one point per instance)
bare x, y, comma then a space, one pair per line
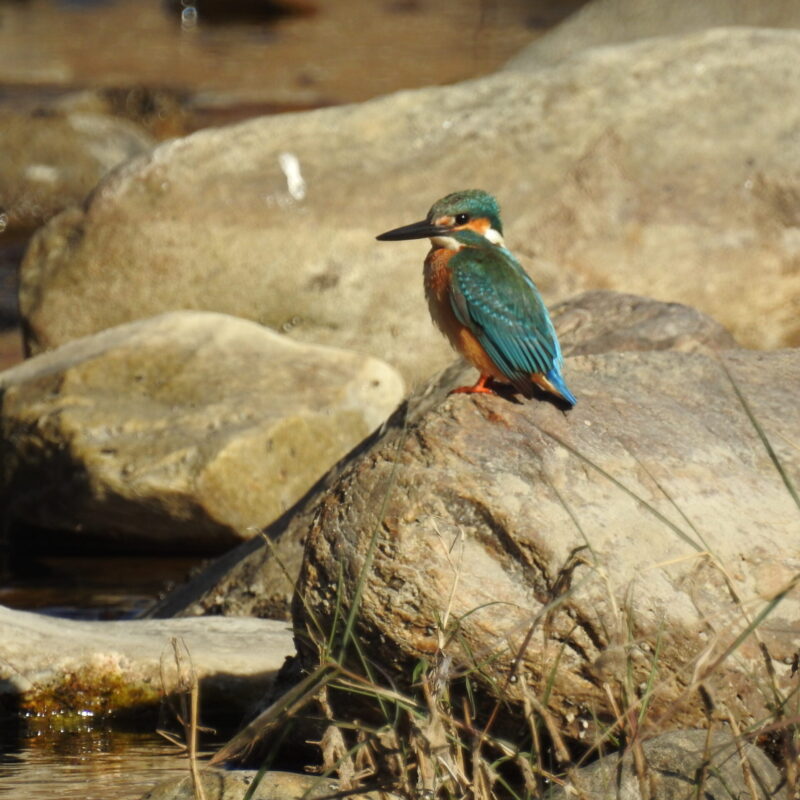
607, 322
630, 540
50, 160
665, 167
61, 668
188, 431
605, 22
258, 576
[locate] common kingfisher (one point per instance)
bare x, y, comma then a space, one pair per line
483, 301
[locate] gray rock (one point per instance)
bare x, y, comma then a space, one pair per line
51, 160
675, 761
221, 785
649, 519
607, 22
62, 667
605, 322
664, 168
258, 576
190, 430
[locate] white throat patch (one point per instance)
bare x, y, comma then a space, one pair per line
495, 237
448, 242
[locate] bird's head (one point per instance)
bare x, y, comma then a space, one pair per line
455, 220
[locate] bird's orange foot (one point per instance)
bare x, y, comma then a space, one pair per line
484, 385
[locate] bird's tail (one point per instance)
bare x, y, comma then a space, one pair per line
553, 382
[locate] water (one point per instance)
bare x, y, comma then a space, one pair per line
87, 758
278, 61
81, 587
89, 764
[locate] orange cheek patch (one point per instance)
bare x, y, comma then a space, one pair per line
480, 225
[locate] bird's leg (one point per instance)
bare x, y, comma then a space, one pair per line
482, 386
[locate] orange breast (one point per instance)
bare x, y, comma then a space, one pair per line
437, 290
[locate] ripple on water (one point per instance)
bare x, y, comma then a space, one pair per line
91, 764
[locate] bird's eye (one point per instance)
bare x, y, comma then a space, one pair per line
461, 219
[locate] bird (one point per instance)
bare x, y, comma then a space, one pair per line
482, 299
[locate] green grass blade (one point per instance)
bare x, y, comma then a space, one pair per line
640, 500
787, 481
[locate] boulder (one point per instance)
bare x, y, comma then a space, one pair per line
666, 167
633, 543
50, 160
680, 764
258, 576
59, 668
606, 22
187, 432
605, 322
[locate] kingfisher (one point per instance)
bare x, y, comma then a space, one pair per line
483, 300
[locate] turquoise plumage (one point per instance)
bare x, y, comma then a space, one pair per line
496, 299
483, 300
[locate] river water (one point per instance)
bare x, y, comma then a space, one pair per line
92, 764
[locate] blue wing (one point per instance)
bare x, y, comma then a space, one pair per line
493, 296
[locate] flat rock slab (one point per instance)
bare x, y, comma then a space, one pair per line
186, 432
222, 785
56, 667
650, 523
603, 164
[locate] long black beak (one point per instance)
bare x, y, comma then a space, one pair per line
416, 230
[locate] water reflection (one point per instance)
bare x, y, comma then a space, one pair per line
251, 12
247, 53
82, 587
92, 764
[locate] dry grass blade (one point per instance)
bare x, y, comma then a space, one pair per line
748, 630
747, 772
187, 691
281, 710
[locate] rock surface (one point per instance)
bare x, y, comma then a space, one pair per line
221, 785
61, 667
257, 578
51, 160
606, 322
675, 760
188, 431
621, 529
606, 22
665, 167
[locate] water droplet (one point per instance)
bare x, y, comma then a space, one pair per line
189, 18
